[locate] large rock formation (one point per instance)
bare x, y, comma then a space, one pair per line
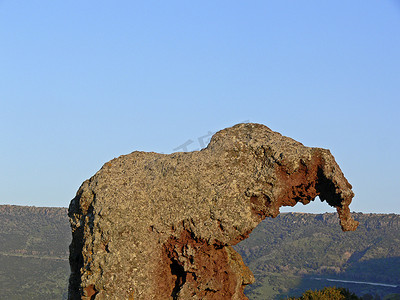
156, 226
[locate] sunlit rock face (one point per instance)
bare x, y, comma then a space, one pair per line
156, 226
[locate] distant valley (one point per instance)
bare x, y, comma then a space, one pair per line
288, 255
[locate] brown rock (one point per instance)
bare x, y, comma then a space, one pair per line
155, 226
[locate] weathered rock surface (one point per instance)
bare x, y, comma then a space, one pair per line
156, 226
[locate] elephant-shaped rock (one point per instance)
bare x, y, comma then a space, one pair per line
158, 226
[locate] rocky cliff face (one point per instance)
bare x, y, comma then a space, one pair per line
155, 226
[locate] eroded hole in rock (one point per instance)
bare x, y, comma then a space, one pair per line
327, 190
179, 273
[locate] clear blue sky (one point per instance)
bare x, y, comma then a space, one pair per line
82, 82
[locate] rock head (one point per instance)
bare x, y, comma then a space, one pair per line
157, 226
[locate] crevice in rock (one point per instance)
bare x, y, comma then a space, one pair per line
179, 272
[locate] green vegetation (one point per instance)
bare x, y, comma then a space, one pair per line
288, 255
330, 293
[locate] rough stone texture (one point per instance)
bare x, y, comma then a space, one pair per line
157, 226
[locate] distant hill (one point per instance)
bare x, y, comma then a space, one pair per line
296, 251
34, 252
286, 254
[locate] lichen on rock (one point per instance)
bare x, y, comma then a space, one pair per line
157, 226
